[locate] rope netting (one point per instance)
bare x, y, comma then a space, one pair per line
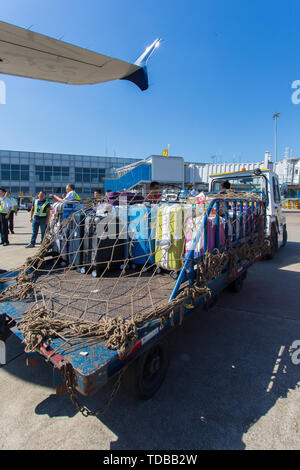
103, 271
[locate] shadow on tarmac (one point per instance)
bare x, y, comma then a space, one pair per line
222, 376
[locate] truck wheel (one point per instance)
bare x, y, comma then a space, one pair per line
146, 374
285, 236
237, 285
274, 244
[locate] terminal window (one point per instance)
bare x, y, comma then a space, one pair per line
14, 172
51, 173
89, 175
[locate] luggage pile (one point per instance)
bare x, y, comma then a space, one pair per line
125, 233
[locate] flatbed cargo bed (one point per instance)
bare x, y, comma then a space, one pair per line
74, 296
113, 294
93, 363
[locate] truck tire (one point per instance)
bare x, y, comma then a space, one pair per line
274, 244
285, 236
237, 285
146, 374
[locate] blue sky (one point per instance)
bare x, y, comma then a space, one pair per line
223, 69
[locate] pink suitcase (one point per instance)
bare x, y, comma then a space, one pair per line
192, 226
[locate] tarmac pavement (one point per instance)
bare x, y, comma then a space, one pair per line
231, 382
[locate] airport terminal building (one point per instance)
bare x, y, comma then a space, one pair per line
26, 173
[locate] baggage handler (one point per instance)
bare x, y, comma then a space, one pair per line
39, 216
5, 210
14, 211
71, 195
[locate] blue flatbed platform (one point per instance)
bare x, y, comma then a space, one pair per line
93, 364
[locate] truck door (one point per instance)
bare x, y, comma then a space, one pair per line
277, 211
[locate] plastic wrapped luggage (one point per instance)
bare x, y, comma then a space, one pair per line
88, 247
59, 246
55, 224
141, 234
169, 245
107, 248
235, 229
76, 229
192, 225
250, 219
63, 235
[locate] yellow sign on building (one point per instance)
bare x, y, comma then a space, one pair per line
165, 152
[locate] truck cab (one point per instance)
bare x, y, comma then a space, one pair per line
260, 181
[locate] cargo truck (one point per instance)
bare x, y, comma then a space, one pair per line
85, 367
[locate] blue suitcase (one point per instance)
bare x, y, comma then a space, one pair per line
141, 234
70, 208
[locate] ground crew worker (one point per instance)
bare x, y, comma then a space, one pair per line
5, 210
225, 186
97, 194
39, 216
155, 192
98, 199
71, 196
14, 211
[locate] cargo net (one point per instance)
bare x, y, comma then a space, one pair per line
102, 272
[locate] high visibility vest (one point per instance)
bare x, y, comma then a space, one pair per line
2, 210
40, 210
76, 196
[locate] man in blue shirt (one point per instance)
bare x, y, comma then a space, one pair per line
39, 216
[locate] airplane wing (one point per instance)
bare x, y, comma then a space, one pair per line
25, 53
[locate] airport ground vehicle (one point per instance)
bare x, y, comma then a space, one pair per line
25, 203
87, 367
265, 181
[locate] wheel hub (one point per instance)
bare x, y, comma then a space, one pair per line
155, 364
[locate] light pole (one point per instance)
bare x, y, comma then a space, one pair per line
275, 116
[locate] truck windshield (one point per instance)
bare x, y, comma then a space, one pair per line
241, 183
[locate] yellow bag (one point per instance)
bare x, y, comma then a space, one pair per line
169, 243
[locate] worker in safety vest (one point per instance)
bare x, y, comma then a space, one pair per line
155, 194
39, 216
71, 196
14, 211
5, 210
